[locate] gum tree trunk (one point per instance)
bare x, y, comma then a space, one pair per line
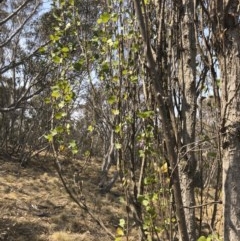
230, 132
187, 80
230, 118
178, 143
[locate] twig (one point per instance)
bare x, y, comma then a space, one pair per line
203, 205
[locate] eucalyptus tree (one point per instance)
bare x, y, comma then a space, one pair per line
200, 31
27, 74
182, 42
156, 62
152, 89
226, 33
23, 73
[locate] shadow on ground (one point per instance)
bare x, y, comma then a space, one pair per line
12, 230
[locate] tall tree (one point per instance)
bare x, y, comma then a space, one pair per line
228, 55
156, 62
23, 73
179, 140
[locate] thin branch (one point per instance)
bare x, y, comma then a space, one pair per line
23, 97
80, 204
20, 27
16, 64
15, 12
203, 205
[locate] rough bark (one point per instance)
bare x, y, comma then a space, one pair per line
230, 121
159, 80
187, 78
230, 132
109, 158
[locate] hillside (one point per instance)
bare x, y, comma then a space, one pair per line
35, 206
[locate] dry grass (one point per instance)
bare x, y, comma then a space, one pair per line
63, 236
35, 206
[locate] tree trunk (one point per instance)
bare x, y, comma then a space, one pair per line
230, 132
230, 122
187, 79
105, 185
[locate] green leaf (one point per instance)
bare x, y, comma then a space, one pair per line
145, 202
56, 94
202, 238
73, 146
54, 37
42, 50
114, 17
57, 59
115, 44
118, 146
149, 180
61, 104
134, 79
90, 128
49, 137
115, 79
78, 65
74, 151
119, 232
68, 128
68, 98
60, 115
112, 99
87, 153
54, 132
164, 168
122, 223
105, 67
118, 128
141, 153
58, 130
47, 100
141, 198
68, 25
145, 114
110, 42
65, 49
155, 197
118, 239
104, 18
115, 112
125, 72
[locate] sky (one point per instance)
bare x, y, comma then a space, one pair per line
46, 5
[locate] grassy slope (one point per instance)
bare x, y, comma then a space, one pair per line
34, 205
